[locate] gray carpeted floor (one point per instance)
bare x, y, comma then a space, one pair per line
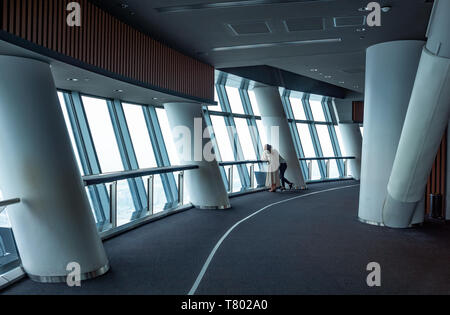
311, 245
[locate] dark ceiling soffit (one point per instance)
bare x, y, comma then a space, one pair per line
128, 21
15, 40
227, 5
291, 81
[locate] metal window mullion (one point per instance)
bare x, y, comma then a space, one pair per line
161, 155
285, 99
99, 193
245, 99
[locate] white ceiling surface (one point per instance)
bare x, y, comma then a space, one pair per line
198, 32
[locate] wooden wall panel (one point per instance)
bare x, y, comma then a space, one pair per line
358, 112
107, 43
438, 177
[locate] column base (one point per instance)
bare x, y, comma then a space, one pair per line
226, 207
382, 225
62, 279
398, 214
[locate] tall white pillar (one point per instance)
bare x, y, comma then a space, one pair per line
390, 72
53, 225
192, 138
425, 123
276, 125
351, 135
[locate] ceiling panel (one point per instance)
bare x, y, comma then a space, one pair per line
199, 32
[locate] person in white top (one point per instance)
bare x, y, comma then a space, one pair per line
277, 166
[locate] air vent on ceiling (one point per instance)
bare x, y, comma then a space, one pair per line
304, 24
227, 4
354, 70
252, 28
348, 21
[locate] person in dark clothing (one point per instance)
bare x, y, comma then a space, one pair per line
284, 180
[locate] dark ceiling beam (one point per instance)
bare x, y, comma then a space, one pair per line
277, 77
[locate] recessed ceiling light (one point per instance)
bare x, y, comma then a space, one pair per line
314, 70
361, 29
386, 9
364, 9
124, 5
72, 79
118, 91
155, 98
328, 77
280, 44
341, 82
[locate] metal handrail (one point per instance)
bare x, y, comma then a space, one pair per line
116, 176
328, 158
241, 162
9, 202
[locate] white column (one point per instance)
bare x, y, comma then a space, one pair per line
390, 72
277, 130
351, 136
425, 123
192, 138
53, 225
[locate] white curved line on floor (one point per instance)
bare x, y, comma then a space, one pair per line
213, 252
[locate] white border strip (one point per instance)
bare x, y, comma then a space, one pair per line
219, 243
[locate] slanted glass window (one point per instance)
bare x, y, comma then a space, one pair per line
254, 103
222, 139
327, 149
167, 134
9, 257
245, 138
341, 141
308, 149
107, 150
317, 109
297, 108
70, 130
144, 151
139, 135
262, 132
102, 133
4, 221
235, 100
